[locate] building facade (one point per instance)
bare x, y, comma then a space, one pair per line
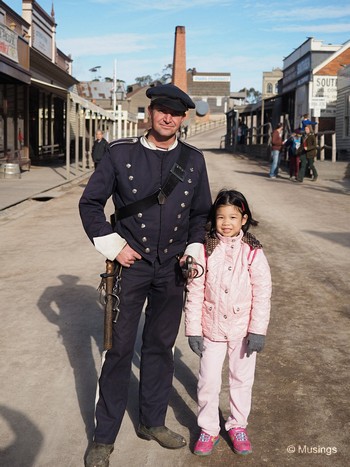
41, 114
15, 79
210, 91
343, 112
270, 82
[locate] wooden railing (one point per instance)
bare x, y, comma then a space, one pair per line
201, 127
322, 146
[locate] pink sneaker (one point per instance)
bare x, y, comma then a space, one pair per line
240, 440
205, 444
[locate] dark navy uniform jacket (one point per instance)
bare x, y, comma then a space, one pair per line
130, 171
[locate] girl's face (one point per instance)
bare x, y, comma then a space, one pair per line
229, 220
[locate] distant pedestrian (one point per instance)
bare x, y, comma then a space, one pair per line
308, 152
305, 120
277, 144
244, 130
99, 147
239, 133
292, 145
227, 312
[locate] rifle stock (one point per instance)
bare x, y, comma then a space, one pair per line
108, 318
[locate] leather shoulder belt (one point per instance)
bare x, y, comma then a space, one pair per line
176, 174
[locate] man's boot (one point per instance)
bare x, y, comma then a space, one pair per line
98, 455
165, 437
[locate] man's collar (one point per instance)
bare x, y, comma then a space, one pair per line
148, 144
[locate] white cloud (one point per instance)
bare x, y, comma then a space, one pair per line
160, 5
314, 28
304, 13
119, 44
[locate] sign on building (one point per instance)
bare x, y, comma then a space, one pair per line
324, 94
318, 103
8, 43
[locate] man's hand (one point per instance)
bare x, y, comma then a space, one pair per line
190, 268
127, 256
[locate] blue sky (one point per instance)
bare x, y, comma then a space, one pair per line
243, 38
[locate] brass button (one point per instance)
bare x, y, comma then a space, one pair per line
144, 239
147, 250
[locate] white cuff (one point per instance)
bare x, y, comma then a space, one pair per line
109, 245
193, 249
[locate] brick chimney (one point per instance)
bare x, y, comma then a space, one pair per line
179, 62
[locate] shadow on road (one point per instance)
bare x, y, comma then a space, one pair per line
27, 442
75, 310
342, 238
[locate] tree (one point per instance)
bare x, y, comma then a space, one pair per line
144, 80
253, 96
164, 78
167, 74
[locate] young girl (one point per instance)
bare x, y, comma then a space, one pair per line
227, 311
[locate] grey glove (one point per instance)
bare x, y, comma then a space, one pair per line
196, 344
255, 343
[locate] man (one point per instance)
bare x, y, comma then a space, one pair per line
146, 242
277, 144
98, 148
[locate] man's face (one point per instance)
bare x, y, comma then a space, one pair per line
165, 122
99, 135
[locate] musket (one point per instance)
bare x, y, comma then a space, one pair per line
108, 318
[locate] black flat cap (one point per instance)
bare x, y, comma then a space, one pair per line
170, 96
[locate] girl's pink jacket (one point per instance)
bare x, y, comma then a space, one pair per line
233, 297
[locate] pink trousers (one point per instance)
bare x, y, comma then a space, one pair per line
241, 379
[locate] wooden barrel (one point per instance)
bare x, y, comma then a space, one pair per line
10, 170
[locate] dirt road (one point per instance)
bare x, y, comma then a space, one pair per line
51, 331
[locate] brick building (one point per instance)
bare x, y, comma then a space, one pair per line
210, 90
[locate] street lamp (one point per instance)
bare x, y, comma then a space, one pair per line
119, 94
94, 70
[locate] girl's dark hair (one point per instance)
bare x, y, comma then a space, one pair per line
234, 198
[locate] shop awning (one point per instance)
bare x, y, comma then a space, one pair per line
14, 71
62, 92
90, 106
59, 91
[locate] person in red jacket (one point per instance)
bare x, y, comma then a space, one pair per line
277, 144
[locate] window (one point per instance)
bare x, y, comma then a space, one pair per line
269, 88
141, 113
